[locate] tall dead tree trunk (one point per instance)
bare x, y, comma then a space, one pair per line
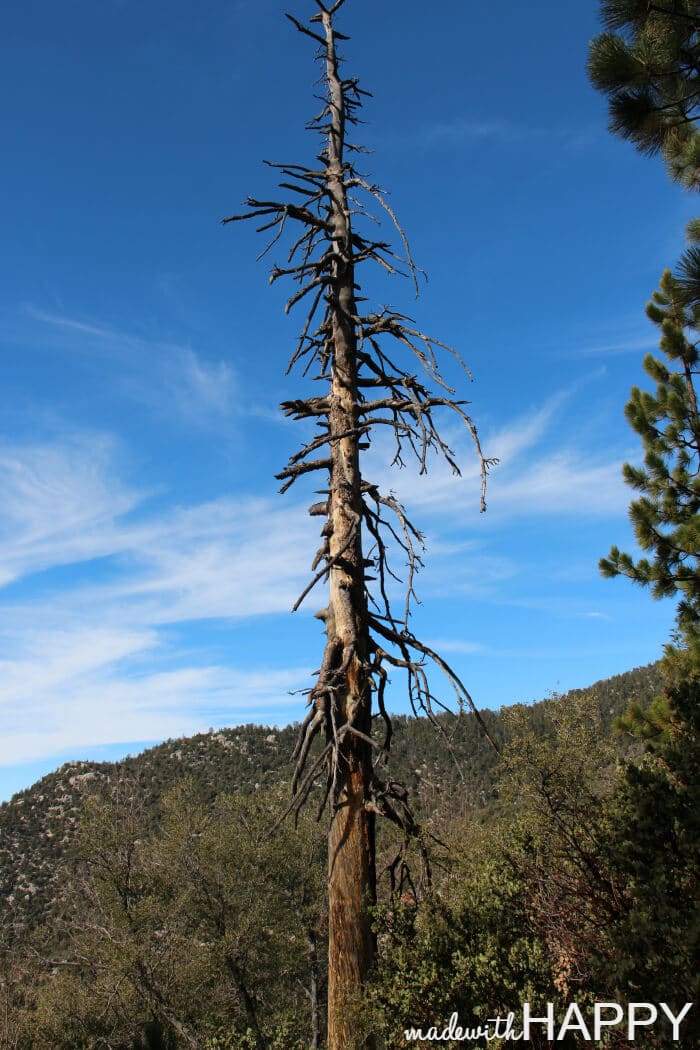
364, 391
351, 865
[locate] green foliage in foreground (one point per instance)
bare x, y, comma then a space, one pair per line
584, 889
204, 935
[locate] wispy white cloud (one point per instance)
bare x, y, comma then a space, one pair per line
497, 130
631, 345
566, 483
169, 377
70, 323
209, 386
59, 504
230, 557
87, 663
530, 478
81, 691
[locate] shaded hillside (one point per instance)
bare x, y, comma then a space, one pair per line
38, 826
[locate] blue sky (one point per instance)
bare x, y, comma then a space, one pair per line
147, 563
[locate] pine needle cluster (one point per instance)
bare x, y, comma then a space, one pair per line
648, 64
666, 516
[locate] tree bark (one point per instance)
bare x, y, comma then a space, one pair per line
351, 848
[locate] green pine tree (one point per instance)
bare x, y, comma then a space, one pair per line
653, 845
665, 516
648, 64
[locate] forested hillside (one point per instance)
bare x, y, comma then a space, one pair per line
63, 841
165, 901
451, 767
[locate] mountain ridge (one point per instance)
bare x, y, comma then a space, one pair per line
38, 826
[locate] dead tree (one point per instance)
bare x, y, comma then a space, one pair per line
365, 388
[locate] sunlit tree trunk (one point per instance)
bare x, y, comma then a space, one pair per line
363, 389
351, 868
